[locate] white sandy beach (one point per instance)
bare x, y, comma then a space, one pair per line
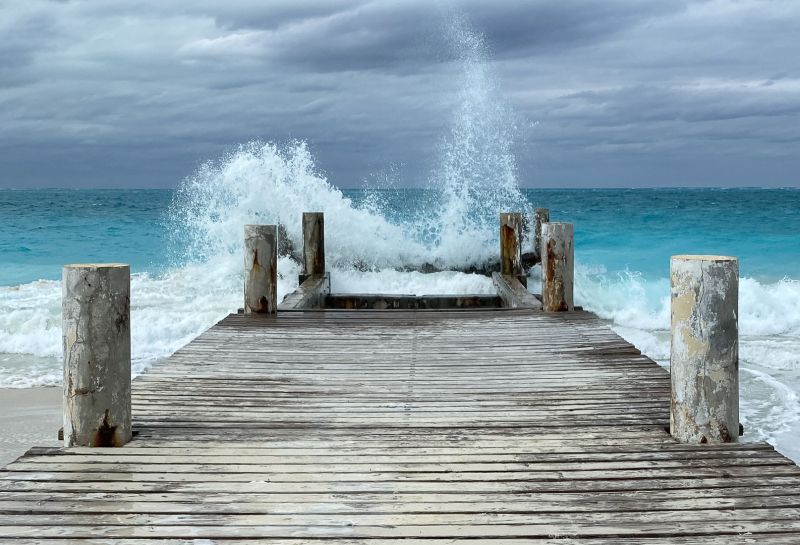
29, 417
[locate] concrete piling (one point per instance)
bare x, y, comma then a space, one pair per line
97, 355
704, 356
260, 269
558, 264
313, 243
540, 216
511, 244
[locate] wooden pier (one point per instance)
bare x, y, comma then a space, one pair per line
472, 426
487, 426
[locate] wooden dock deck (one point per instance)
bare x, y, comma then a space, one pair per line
404, 427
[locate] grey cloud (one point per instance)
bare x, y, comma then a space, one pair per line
388, 35
649, 103
516, 28
114, 92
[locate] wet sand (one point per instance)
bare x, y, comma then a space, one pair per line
29, 417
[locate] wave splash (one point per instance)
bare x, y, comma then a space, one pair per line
263, 182
477, 169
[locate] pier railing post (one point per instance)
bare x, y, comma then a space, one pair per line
558, 266
510, 244
704, 351
313, 243
540, 216
260, 269
97, 355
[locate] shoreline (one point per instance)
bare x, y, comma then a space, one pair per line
29, 417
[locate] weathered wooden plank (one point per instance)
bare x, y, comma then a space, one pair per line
310, 294
370, 456
789, 516
557, 539
400, 486
352, 506
371, 301
339, 527
575, 497
513, 293
233, 466
421, 476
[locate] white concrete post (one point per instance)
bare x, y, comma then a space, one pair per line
313, 243
540, 216
97, 355
510, 244
260, 269
558, 264
704, 356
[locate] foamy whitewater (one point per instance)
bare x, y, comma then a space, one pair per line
185, 247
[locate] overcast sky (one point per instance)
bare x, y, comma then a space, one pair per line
616, 93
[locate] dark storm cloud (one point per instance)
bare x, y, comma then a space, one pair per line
619, 92
388, 35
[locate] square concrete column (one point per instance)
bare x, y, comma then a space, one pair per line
558, 266
260, 269
704, 351
97, 355
511, 244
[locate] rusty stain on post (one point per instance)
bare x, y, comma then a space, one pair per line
510, 244
558, 257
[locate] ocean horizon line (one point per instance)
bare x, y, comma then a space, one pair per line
418, 188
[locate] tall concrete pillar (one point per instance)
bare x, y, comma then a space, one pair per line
704, 356
313, 243
511, 244
260, 269
558, 266
97, 355
540, 216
